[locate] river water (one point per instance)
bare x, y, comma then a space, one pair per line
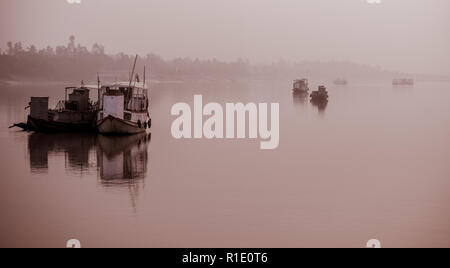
373, 163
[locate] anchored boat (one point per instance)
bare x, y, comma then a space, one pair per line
320, 95
76, 113
340, 82
123, 109
403, 82
301, 85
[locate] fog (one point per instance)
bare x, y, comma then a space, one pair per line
397, 35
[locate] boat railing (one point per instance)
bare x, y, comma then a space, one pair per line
139, 96
61, 106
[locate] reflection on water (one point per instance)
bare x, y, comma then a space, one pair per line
123, 162
122, 159
74, 147
118, 160
375, 165
300, 97
320, 104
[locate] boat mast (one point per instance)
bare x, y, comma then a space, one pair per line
98, 90
130, 90
132, 73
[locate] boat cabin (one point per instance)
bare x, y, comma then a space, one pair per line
78, 100
122, 100
73, 114
301, 85
322, 89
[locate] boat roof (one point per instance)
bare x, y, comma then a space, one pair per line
126, 84
84, 87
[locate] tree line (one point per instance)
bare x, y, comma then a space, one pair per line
76, 62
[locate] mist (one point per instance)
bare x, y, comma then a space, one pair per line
398, 35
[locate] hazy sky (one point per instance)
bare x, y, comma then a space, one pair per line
404, 35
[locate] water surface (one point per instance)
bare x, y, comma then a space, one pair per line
371, 163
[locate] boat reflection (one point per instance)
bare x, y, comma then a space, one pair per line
118, 160
300, 97
74, 149
122, 159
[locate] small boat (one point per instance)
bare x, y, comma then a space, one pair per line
76, 113
403, 82
123, 109
340, 82
301, 85
320, 95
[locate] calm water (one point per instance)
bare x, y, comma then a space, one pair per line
372, 163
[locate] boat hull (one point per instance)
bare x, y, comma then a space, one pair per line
319, 96
300, 90
115, 126
46, 126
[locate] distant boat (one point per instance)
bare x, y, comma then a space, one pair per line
340, 82
123, 109
301, 85
403, 82
320, 95
75, 114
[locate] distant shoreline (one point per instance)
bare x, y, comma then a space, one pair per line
31, 81
70, 64
9, 82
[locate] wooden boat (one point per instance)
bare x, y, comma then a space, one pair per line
75, 114
340, 82
123, 109
320, 95
403, 82
301, 85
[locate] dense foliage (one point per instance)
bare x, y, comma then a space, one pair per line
76, 62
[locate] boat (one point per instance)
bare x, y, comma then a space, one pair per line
301, 85
76, 113
340, 82
320, 95
123, 109
403, 82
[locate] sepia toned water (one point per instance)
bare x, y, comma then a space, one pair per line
372, 163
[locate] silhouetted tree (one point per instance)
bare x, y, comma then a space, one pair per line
98, 49
71, 45
76, 62
10, 50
